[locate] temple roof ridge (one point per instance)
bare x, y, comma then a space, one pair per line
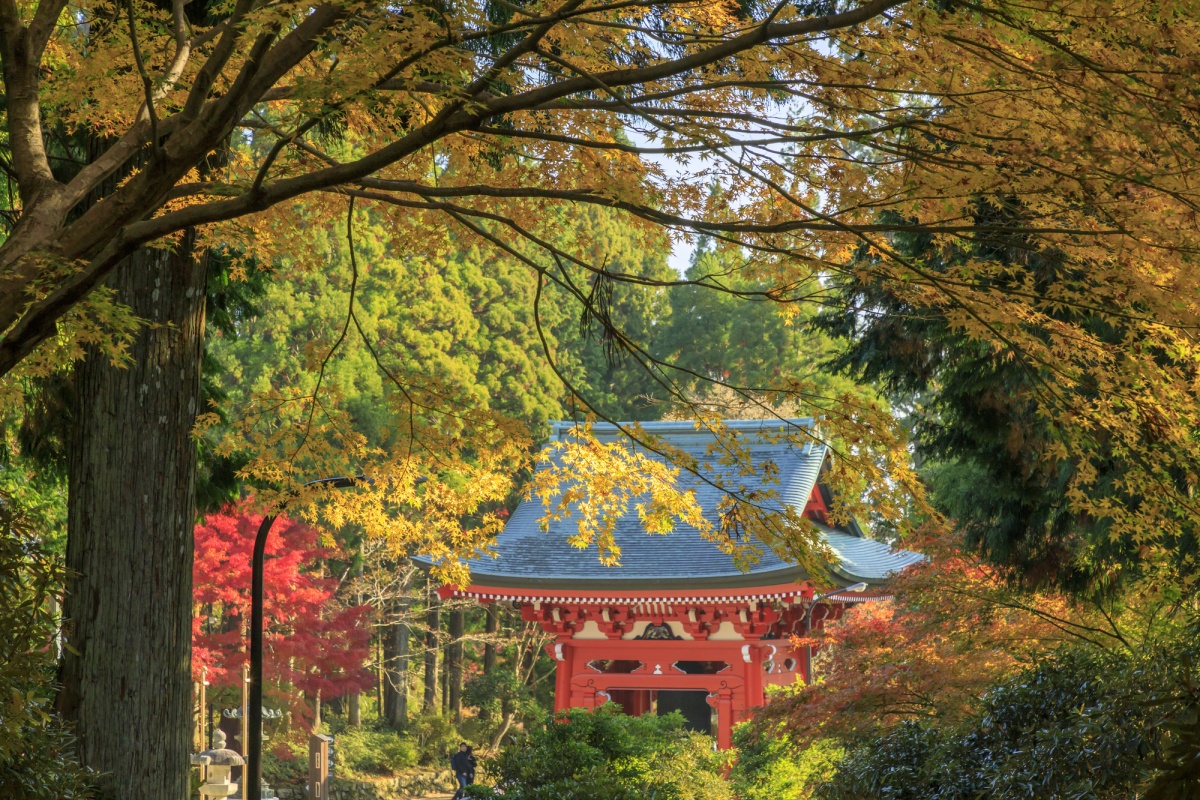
675, 430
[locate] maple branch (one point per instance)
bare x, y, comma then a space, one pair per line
332, 109
707, 281
527, 45
19, 55
151, 186
450, 120
147, 84
659, 217
341, 336
41, 27
1076, 629
183, 50
677, 150
107, 232
207, 76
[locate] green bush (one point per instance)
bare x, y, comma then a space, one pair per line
360, 752
606, 755
44, 767
285, 762
770, 766
435, 737
1082, 723
36, 751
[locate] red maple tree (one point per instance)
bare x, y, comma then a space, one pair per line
313, 643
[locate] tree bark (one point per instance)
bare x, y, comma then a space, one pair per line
433, 622
395, 667
354, 701
126, 677
491, 627
454, 664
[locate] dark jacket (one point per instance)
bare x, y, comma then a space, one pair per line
462, 763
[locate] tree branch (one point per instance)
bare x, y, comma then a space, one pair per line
147, 84
92, 235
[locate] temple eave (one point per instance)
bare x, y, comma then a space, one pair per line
789, 592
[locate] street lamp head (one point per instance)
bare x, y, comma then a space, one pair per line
856, 588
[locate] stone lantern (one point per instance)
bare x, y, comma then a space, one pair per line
219, 764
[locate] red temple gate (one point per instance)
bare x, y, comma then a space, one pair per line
678, 615
627, 646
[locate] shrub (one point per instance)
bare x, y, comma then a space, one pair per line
435, 738
43, 767
285, 762
1080, 723
770, 766
36, 758
606, 755
367, 753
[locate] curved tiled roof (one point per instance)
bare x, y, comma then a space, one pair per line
528, 556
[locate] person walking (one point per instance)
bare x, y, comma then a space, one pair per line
463, 765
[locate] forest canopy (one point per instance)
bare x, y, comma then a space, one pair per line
835, 133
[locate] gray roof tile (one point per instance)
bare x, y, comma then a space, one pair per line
528, 556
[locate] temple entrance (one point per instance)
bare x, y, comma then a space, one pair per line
693, 705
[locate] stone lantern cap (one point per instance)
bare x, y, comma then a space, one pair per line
219, 756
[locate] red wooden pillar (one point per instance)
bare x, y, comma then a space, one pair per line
754, 678
722, 700
564, 670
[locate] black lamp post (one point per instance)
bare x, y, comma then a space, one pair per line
855, 588
252, 778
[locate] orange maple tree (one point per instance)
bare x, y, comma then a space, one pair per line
953, 628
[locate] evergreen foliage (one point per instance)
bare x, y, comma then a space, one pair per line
725, 330
603, 754
995, 458
37, 760
616, 384
770, 765
1081, 722
462, 323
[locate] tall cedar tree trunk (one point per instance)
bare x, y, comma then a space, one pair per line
445, 682
395, 667
491, 628
508, 711
355, 700
454, 664
433, 622
126, 678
